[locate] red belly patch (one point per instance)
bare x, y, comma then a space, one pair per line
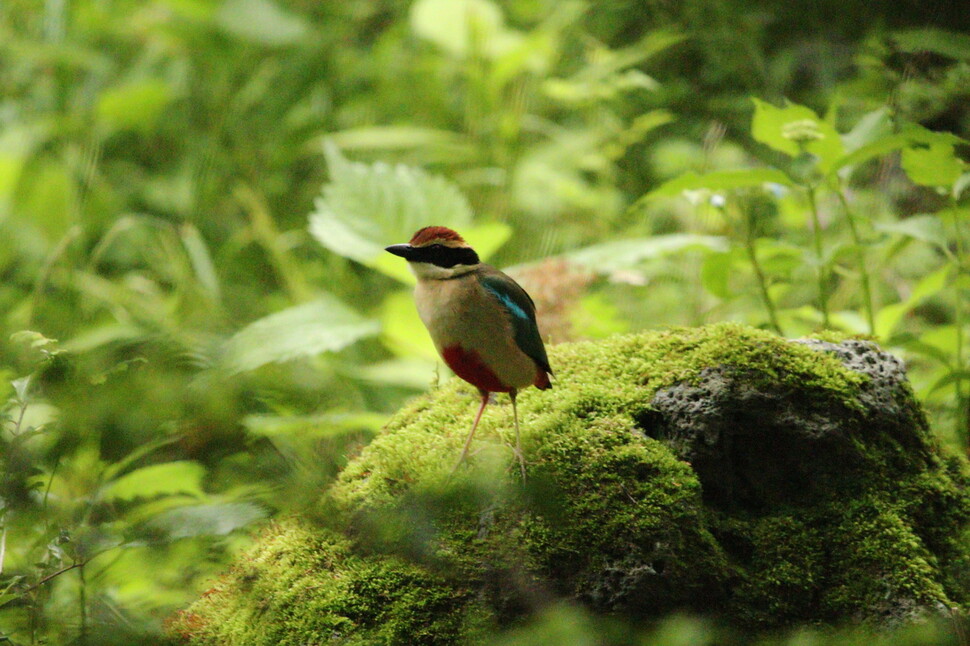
470, 367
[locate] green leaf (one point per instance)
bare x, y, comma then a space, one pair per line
926, 228
933, 165
412, 372
201, 259
794, 128
324, 325
313, 426
262, 22
463, 27
871, 127
889, 317
597, 317
366, 207
445, 143
946, 43
910, 135
135, 106
206, 520
950, 378
944, 338
402, 330
625, 254
722, 180
180, 477
715, 272
47, 199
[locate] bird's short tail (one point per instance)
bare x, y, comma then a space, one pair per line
542, 380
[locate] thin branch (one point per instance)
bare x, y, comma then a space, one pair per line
54, 575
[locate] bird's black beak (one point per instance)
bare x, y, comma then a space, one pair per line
406, 251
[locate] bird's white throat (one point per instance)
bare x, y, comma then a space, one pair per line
429, 271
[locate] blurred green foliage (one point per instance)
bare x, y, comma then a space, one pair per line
196, 323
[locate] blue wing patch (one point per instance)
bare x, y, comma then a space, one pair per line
507, 301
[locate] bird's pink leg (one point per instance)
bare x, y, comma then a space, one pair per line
518, 445
468, 441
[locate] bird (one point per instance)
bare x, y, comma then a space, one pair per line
482, 323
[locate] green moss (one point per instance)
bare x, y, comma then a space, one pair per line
609, 517
302, 585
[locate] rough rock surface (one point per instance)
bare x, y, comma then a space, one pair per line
720, 470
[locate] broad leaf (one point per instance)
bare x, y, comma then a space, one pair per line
262, 22
889, 317
926, 228
401, 328
722, 180
624, 254
366, 207
136, 106
909, 136
871, 127
933, 165
181, 477
793, 129
946, 43
206, 520
463, 27
324, 325
313, 426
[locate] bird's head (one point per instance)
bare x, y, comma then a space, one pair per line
437, 253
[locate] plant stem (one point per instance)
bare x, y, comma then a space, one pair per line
759, 272
821, 272
83, 603
963, 401
861, 260
3, 541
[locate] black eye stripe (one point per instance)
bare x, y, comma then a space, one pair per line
443, 256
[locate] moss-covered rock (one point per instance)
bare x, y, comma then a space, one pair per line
720, 470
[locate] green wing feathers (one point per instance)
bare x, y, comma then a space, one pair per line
522, 312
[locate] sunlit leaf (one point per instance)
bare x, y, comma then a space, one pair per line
715, 272
933, 165
871, 127
889, 317
458, 26
951, 378
624, 254
723, 180
910, 135
313, 426
324, 325
430, 142
262, 22
182, 476
793, 129
206, 520
926, 228
366, 207
47, 198
406, 372
945, 338
597, 318
402, 330
135, 106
